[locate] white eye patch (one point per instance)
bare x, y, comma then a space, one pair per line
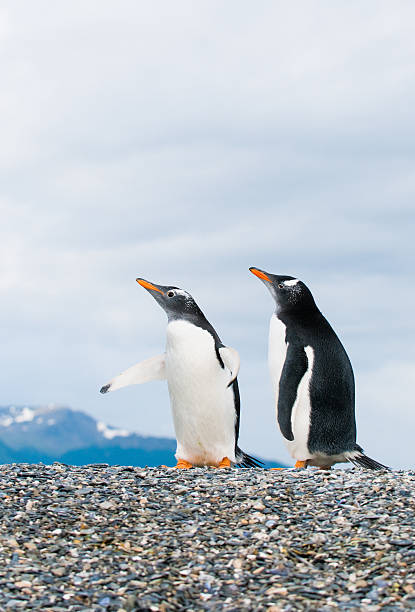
181, 292
291, 283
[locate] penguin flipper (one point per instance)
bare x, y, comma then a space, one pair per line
150, 369
295, 366
231, 359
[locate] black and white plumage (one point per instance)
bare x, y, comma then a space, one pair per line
201, 374
312, 378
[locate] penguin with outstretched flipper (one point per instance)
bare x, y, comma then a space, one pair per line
312, 378
201, 374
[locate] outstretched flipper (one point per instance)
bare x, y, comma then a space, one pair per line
230, 358
145, 371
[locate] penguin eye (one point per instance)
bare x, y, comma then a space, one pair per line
280, 286
170, 293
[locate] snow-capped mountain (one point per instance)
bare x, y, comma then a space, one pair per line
29, 434
59, 433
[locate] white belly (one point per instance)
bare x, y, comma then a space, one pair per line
202, 405
300, 416
277, 350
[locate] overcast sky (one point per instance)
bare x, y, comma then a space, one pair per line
184, 142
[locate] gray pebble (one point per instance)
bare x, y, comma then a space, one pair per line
111, 538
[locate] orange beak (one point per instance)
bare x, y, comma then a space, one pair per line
147, 285
260, 274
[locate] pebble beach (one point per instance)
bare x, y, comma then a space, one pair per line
107, 538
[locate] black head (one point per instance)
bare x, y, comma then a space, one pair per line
288, 292
176, 303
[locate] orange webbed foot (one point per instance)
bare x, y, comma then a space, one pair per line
276, 468
300, 464
182, 464
225, 463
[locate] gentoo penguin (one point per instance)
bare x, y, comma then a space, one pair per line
312, 378
201, 376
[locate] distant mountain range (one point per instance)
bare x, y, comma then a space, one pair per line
33, 434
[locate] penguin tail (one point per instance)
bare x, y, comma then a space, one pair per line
359, 459
245, 460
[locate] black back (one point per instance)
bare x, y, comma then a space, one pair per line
332, 389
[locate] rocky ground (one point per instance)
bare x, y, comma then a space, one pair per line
119, 538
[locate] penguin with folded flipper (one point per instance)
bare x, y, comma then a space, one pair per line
201, 376
312, 378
